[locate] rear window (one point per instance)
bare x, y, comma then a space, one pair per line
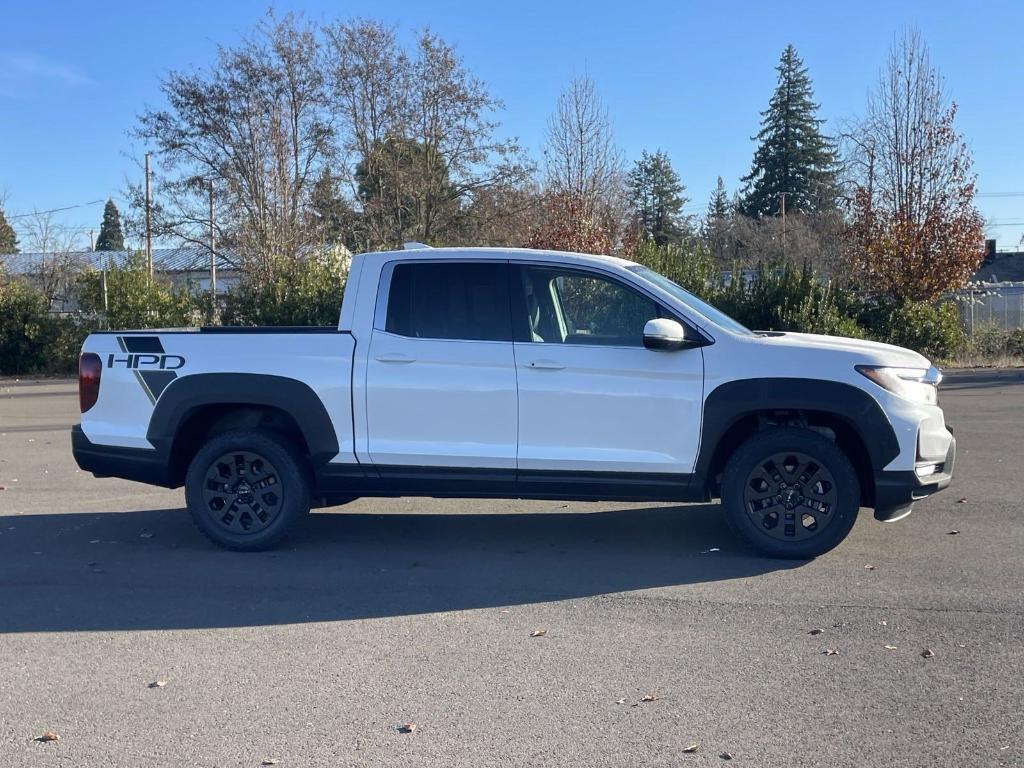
461, 300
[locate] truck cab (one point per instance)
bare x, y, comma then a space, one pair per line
505, 373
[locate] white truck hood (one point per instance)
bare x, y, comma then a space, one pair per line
868, 352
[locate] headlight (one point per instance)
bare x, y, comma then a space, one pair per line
921, 385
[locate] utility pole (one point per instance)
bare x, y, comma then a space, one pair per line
149, 224
92, 240
213, 254
783, 196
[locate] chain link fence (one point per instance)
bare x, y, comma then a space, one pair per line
987, 305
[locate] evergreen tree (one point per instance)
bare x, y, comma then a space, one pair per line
657, 198
793, 158
719, 207
333, 214
111, 238
717, 228
8, 238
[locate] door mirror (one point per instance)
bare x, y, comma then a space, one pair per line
667, 335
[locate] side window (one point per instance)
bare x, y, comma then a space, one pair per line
567, 306
457, 300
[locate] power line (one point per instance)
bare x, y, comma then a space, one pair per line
53, 210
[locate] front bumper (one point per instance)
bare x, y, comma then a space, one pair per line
896, 491
141, 465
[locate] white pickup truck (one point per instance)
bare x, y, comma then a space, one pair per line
501, 373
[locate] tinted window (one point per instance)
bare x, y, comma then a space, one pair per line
573, 307
450, 301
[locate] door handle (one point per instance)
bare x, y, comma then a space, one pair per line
394, 357
545, 365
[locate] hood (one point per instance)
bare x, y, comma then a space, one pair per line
867, 352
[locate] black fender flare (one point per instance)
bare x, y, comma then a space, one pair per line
187, 393
733, 401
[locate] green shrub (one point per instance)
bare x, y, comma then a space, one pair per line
992, 341
690, 266
302, 292
31, 339
934, 330
134, 300
779, 296
775, 296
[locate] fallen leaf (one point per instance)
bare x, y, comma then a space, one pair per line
927, 653
954, 532
48, 736
270, 761
145, 535
158, 684
884, 623
962, 500
407, 728
831, 652
869, 567
3, 487
538, 633
889, 647
649, 697
815, 631
620, 701
691, 748
726, 755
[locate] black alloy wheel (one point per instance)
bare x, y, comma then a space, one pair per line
790, 492
243, 492
248, 489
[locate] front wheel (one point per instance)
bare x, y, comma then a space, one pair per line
247, 489
790, 492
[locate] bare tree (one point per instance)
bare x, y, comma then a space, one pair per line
916, 230
585, 177
58, 258
255, 125
420, 136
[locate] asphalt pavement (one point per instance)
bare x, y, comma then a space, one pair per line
654, 630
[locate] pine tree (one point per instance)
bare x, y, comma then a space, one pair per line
8, 237
793, 159
657, 198
718, 223
111, 238
719, 207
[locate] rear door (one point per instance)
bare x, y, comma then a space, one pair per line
592, 398
440, 375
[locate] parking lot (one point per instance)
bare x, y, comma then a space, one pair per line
655, 631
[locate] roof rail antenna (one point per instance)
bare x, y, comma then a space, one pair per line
414, 246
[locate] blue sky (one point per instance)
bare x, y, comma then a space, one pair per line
690, 78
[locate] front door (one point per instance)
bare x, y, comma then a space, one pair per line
592, 399
440, 374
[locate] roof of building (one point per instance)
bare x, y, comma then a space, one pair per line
1003, 267
167, 260
190, 259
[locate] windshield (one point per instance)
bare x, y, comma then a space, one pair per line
714, 315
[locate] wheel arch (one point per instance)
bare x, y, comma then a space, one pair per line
195, 407
738, 409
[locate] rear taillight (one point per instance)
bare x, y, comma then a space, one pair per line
89, 368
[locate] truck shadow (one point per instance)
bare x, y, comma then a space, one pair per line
152, 570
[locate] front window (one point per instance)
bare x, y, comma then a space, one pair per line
566, 306
716, 316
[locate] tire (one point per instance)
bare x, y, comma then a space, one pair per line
790, 492
247, 489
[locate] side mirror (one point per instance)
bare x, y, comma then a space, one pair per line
667, 335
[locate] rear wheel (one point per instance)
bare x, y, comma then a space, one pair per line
247, 489
790, 492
